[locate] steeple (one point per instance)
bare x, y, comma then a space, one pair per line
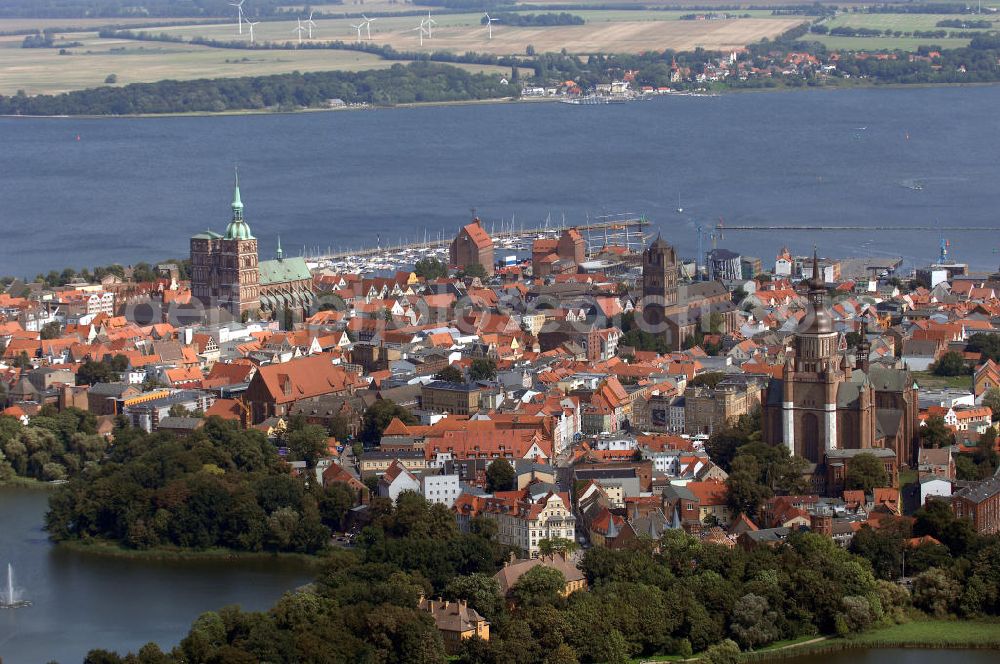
818, 320
238, 228
279, 253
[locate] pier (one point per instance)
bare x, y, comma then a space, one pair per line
625, 229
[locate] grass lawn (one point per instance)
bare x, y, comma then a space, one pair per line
908, 476
956, 633
884, 43
928, 380
902, 22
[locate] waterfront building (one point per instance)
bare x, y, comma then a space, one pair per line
472, 245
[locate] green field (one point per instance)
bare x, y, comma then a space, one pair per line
884, 43
928, 380
902, 22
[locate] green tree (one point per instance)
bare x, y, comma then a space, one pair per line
866, 471
500, 476
935, 433
745, 491
377, 418
483, 369
481, 591
936, 593
991, 399
451, 373
308, 443
550, 545
475, 271
430, 268
951, 363
753, 623
725, 652
51, 330
539, 585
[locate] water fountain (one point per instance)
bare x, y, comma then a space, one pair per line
11, 598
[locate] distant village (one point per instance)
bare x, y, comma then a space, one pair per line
601, 374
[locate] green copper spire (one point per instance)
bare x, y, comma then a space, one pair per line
238, 228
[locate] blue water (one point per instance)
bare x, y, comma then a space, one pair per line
136, 189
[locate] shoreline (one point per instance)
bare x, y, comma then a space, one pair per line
28, 483
115, 550
494, 101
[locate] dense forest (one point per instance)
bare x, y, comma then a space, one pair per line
218, 487
56, 445
399, 84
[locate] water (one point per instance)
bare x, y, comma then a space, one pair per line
135, 189
81, 601
900, 656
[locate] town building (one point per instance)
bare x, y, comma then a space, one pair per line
980, 503
523, 519
456, 398
456, 621
708, 409
724, 265
276, 388
472, 245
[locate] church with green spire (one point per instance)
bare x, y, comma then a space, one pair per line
227, 274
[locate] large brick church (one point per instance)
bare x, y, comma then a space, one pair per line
226, 273
825, 402
679, 311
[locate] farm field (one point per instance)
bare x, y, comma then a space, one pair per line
44, 71
903, 22
884, 43
462, 32
16, 24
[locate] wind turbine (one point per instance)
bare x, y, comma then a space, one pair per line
239, 13
310, 23
489, 23
430, 24
419, 29
250, 25
358, 28
368, 25
298, 30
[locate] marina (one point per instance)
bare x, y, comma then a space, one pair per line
623, 229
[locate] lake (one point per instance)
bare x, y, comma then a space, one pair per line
137, 188
83, 601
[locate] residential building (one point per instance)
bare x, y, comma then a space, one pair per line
514, 569
440, 489
276, 388
456, 621
455, 398
707, 410
980, 503
523, 520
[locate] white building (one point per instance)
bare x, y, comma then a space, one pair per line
440, 489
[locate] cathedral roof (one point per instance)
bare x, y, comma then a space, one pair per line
280, 271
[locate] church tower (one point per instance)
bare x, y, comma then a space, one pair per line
238, 275
659, 281
811, 380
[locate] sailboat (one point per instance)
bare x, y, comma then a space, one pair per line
680, 210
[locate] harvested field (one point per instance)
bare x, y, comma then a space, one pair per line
44, 71
460, 33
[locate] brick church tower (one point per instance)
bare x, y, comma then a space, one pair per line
224, 270
659, 282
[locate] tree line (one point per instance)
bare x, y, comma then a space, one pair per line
416, 82
217, 487
130, 8
54, 446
